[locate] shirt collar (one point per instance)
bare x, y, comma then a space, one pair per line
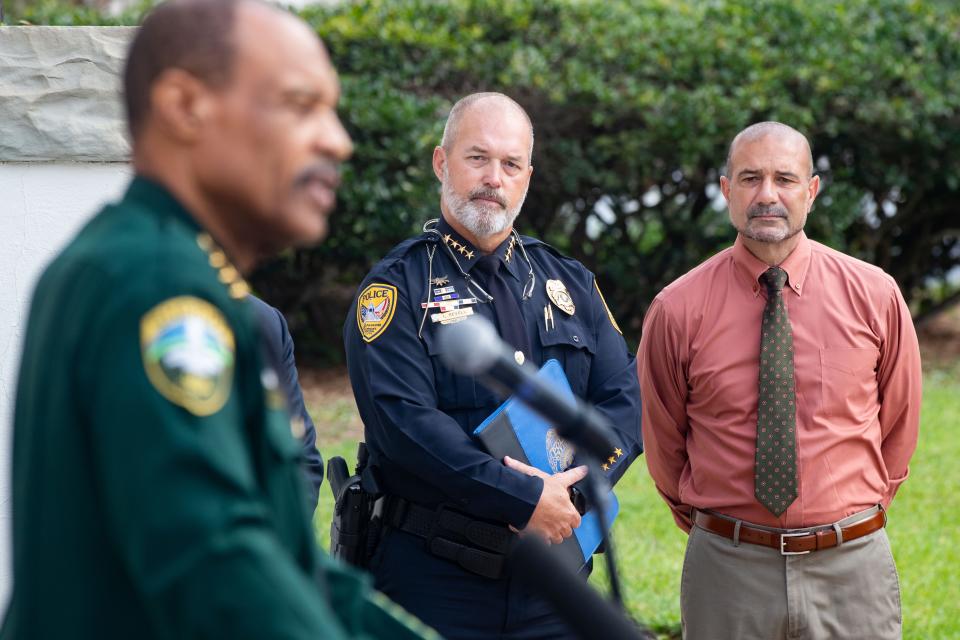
796, 265
157, 197
467, 254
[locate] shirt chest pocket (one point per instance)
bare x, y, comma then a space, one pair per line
454, 392
848, 384
567, 341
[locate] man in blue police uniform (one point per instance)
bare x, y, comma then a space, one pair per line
278, 351
418, 415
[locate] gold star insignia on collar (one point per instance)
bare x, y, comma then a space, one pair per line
239, 290
237, 287
228, 275
458, 246
618, 451
605, 467
509, 253
612, 459
217, 259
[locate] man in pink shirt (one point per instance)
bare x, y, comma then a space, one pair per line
781, 401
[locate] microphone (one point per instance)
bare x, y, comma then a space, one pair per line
587, 613
473, 348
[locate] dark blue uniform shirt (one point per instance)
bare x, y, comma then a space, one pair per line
418, 415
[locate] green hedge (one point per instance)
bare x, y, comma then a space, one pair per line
634, 104
62, 13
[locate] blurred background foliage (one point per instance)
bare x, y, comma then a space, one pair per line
634, 104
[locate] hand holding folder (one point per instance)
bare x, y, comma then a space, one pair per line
555, 517
517, 431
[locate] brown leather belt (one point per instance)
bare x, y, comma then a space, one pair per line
789, 542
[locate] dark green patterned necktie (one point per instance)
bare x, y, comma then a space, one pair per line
775, 469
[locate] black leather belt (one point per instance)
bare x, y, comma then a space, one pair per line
477, 546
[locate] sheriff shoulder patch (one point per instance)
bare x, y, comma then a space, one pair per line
609, 315
188, 350
375, 307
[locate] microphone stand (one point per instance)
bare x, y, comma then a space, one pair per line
597, 489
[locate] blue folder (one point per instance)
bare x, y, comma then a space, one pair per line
518, 431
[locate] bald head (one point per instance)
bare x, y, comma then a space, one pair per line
196, 36
763, 129
488, 99
232, 105
192, 35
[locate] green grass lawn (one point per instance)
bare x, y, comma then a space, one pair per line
923, 528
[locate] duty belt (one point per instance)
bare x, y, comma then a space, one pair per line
477, 546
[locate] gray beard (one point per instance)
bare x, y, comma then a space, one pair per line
481, 220
771, 236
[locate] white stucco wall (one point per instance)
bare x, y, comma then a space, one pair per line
41, 207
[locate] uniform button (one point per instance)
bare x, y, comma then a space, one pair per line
576, 338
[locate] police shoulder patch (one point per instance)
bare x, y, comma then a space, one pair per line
375, 307
188, 351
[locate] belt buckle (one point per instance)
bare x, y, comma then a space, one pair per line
783, 543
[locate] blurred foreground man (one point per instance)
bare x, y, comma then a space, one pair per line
451, 505
781, 385
156, 484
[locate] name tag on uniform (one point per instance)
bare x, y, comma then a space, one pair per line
452, 316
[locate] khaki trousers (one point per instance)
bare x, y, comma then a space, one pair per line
747, 591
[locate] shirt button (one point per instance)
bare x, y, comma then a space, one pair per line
576, 338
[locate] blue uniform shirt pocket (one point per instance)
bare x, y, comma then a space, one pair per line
455, 392
567, 341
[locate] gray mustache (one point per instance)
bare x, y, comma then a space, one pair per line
489, 193
323, 171
771, 210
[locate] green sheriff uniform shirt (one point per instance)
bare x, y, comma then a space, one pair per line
156, 492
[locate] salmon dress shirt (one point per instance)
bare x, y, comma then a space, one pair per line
858, 386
